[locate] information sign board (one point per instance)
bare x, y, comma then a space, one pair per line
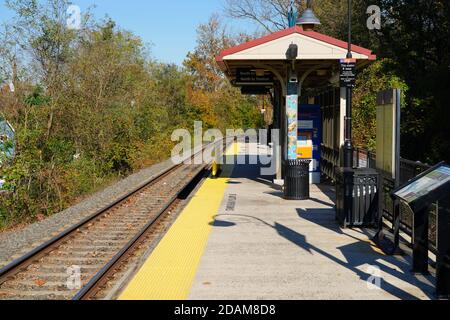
348, 73
252, 77
425, 185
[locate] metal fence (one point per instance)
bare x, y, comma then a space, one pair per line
329, 162
364, 158
408, 170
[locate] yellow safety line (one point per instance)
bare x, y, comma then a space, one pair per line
169, 272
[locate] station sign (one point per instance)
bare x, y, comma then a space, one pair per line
348, 73
255, 90
254, 77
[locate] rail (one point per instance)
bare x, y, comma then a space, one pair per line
408, 170
21, 265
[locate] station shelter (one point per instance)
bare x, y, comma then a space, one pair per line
300, 69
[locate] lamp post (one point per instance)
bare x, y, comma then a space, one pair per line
348, 146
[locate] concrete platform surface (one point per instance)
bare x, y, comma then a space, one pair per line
264, 247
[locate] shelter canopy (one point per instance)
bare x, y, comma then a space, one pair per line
316, 63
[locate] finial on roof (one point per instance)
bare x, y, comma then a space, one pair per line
292, 15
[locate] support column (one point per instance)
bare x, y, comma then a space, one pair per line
283, 136
343, 115
278, 143
292, 116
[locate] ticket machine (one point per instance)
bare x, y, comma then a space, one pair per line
310, 138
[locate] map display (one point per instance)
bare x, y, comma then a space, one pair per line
426, 184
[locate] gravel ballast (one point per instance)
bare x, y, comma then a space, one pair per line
15, 244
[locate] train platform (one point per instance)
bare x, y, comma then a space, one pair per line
238, 239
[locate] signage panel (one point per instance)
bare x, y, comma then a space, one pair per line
348, 73
420, 193
388, 133
252, 77
255, 90
425, 185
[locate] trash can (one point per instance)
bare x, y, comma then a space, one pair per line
297, 182
357, 196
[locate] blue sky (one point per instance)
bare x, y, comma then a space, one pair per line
170, 26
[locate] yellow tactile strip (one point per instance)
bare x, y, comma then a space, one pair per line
169, 272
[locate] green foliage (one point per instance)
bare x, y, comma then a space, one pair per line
37, 97
377, 77
416, 34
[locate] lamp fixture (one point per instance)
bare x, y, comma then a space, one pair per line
308, 20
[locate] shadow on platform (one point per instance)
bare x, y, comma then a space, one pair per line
320, 211
361, 253
356, 255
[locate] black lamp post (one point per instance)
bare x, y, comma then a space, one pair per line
354, 208
348, 146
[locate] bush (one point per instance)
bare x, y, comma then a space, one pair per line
106, 112
377, 77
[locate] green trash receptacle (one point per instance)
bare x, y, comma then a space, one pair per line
297, 179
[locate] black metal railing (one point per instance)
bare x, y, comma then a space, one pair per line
329, 162
408, 170
364, 158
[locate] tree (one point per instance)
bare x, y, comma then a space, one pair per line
378, 76
272, 15
416, 35
41, 30
209, 92
95, 106
8, 55
212, 38
268, 14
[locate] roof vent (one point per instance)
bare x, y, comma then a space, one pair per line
308, 20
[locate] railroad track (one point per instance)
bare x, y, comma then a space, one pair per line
98, 247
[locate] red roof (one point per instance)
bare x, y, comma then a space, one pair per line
286, 32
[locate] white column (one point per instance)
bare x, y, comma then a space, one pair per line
343, 113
